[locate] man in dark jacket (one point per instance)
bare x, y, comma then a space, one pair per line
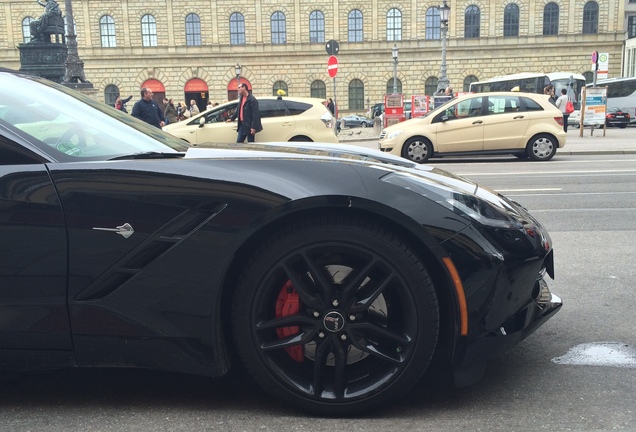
147, 109
249, 117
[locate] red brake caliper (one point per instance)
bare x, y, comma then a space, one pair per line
288, 303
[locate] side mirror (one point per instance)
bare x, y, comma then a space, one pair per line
201, 121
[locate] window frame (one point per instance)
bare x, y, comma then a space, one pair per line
551, 13
511, 20
278, 28
355, 26
590, 18
148, 31
237, 28
472, 22
433, 24
316, 27
394, 25
193, 29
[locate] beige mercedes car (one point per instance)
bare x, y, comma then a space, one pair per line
524, 124
283, 119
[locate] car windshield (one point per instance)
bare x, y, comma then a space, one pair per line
66, 125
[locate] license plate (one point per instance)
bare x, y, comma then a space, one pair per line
620, 116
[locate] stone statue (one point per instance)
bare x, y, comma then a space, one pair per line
51, 22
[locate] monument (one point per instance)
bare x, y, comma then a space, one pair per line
41, 55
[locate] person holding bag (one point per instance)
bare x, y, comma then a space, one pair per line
562, 104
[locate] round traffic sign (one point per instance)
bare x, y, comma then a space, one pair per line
595, 57
332, 66
332, 47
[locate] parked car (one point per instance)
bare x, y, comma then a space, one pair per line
333, 273
613, 117
617, 117
356, 121
284, 119
523, 124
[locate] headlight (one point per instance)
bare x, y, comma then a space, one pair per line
455, 200
394, 134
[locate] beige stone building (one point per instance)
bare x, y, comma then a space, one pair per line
189, 50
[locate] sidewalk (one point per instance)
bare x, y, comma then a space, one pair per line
615, 141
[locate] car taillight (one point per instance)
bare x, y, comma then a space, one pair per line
559, 120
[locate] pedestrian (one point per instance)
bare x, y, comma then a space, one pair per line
194, 109
120, 103
331, 106
248, 115
170, 112
549, 90
561, 104
448, 91
146, 109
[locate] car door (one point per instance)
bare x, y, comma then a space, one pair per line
459, 128
33, 257
278, 125
505, 123
216, 128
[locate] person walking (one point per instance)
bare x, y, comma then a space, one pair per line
561, 104
549, 90
248, 115
170, 112
146, 109
194, 109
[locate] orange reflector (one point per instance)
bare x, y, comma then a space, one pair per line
461, 297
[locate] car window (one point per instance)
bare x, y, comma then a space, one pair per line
272, 108
217, 115
531, 105
13, 154
296, 108
462, 109
503, 104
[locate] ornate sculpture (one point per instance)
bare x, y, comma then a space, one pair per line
51, 22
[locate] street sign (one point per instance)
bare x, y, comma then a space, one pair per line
603, 66
332, 66
594, 57
332, 47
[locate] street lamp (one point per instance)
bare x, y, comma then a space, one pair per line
444, 11
237, 69
394, 52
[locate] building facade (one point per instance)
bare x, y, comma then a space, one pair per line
189, 50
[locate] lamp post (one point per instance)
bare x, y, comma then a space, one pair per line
394, 53
444, 11
237, 69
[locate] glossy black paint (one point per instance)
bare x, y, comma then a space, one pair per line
72, 286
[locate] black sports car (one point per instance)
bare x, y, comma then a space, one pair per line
336, 275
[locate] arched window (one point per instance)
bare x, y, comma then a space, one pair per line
148, 31
389, 86
469, 79
590, 18
356, 95
511, 20
107, 31
318, 90
433, 23
355, 26
316, 27
237, 29
472, 18
110, 94
430, 86
279, 28
193, 30
26, 29
551, 19
394, 25
279, 85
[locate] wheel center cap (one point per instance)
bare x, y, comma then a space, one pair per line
333, 322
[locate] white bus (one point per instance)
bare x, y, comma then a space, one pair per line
535, 83
621, 93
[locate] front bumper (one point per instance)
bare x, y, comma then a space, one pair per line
472, 353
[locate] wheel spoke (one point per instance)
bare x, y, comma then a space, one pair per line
340, 379
380, 341
322, 283
320, 364
298, 339
286, 321
354, 282
306, 292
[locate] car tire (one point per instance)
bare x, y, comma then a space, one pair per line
541, 147
335, 316
363, 124
417, 150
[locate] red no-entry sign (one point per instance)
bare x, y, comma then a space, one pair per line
332, 66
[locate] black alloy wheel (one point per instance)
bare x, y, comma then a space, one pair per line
335, 316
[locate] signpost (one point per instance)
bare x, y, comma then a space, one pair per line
333, 48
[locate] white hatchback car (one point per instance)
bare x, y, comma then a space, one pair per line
283, 119
523, 124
